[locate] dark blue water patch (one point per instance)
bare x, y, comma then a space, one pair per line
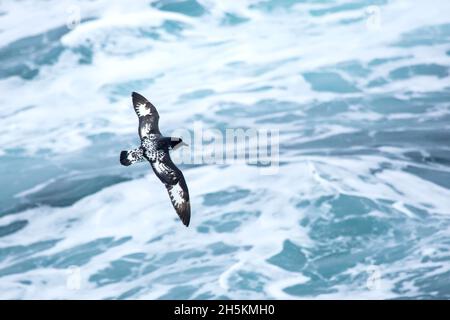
149, 33
17, 252
407, 138
418, 212
434, 156
444, 256
381, 61
131, 266
315, 286
338, 141
225, 227
407, 72
232, 19
182, 277
247, 281
82, 254
256, 89
362, 279
392, 105
260, 108
179, 293
425, 36
187, 7
436, 122
117, 91
352, 20
174, 27
225, 197
220, 248
393, 253
64, 192
427, 138
172, 257
23, 172
206, 296
345, 234
354, 68
271, 5
439, 177
75, 256
167, 27
402, 287
434, 97
329, 82
130, 293
228, 222
360, 151
344, 205
352, 228
411, 104
434, 285
124, 269
25, 56
338, 262
85, 54
281, 119
329, 108
291, 257
378, 82
351, 6
26, 282
197, 94
13, 227
382, 166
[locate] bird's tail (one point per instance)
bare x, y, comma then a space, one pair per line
124, 158
129, 157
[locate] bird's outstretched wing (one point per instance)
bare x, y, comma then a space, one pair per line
147, 114
173, 179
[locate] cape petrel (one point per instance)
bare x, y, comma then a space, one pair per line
155, 149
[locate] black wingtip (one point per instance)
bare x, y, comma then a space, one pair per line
186, 217
123, 159
138, 97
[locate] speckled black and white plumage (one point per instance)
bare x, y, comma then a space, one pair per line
155, 149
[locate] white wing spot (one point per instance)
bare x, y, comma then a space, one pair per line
177, 194
142, 109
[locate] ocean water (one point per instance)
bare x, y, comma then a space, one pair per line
358, 90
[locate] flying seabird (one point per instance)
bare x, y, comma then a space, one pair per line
155, 149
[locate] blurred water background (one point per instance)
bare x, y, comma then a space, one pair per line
359, 91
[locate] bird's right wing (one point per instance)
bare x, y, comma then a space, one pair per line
173, 179
147, 114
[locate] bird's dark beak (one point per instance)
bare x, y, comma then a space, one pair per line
181, 144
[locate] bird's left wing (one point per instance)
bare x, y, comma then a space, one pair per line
173, 179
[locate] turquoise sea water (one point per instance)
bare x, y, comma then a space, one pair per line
360, 94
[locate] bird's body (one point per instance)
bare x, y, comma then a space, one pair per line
155, 149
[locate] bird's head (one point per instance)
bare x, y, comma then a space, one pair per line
176, 143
